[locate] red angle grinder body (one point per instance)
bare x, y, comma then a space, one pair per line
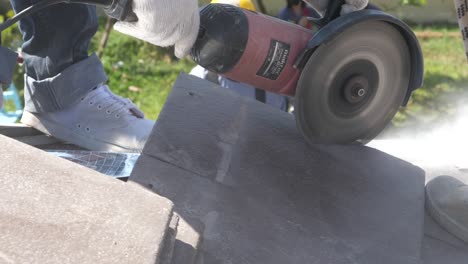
251, 48
268, 59
348, 86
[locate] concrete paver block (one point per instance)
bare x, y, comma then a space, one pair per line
54, 211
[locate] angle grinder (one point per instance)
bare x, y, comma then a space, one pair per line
349, 78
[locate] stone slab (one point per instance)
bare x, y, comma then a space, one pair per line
18, 130
33, 137
265, 196
435, 155
39, 140
54, 211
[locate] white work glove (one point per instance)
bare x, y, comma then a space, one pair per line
462, 21
321, 5
348, 7
1, 97
164, 23
353, 5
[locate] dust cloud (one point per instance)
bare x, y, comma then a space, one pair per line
444, 145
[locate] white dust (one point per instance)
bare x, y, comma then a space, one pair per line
444, 145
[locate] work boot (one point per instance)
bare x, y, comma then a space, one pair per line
99, 121
447, 203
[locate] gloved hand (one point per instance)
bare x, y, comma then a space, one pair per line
353, 5
164, 23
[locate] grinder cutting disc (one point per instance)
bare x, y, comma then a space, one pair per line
352, 86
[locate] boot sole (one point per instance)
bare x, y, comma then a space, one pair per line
444, 220
67, 135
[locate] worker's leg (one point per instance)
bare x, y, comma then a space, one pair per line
55, 51
64, 95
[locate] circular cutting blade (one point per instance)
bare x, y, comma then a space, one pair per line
352, 86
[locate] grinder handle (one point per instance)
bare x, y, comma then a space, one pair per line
333, 11
120, 10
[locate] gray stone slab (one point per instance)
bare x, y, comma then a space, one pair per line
54, 211
434, 158
33, 137
265, 196
39, 140
18, 130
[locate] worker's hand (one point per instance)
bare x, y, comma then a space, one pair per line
164, 23
353, 5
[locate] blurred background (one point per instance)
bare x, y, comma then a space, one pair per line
145, 73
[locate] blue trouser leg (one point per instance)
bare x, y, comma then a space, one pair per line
55, 49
